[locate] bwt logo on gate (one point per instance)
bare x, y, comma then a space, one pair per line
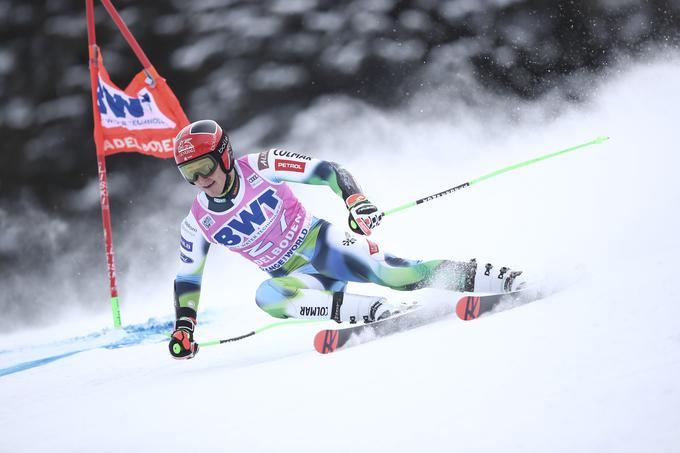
244, 222
118, 109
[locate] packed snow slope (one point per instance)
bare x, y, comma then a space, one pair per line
594, 367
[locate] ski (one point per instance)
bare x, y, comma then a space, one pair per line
331, 340
471, 307
468, 307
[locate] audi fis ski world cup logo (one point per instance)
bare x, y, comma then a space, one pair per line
130, 112
254, 180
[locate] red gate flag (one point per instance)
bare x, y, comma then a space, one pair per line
143, 118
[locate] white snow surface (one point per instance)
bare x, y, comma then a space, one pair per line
594, 367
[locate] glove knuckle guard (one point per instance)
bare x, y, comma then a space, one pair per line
182, 344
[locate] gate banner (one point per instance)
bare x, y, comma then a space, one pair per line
143, 118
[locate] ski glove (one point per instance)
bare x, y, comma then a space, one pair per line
364, 216
182, 345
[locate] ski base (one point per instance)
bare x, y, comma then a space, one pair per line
468, 307
331, 340
471, 307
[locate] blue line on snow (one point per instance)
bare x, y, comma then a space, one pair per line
136, 334
34, 363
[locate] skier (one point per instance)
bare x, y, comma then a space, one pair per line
246, 205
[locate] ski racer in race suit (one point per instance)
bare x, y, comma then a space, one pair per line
247, 206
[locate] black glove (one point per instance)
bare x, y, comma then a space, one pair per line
364, 216
182, 345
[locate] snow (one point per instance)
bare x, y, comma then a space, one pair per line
7, 61
322, 21
408, 50
593, 367
196, 53
346, 59
60, 108
273, 76
414, 20
285, 7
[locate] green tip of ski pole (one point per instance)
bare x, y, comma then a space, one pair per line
600, 140
115, 309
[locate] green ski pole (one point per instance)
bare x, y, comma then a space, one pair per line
597, 141
261, 329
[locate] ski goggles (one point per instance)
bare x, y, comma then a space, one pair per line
202, 166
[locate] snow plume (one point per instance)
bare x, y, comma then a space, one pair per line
44, 268
560, 220
54, 266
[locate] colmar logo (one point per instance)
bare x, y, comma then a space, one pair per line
313, 311
289, 165
281, 153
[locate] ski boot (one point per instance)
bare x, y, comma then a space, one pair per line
487, 279
355, 307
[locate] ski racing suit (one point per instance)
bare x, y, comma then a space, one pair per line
309, 260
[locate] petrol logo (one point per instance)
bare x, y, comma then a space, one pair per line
289, 165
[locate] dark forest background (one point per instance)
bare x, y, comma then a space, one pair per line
236, 60
241, 62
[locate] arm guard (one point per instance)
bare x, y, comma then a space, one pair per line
192, 254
